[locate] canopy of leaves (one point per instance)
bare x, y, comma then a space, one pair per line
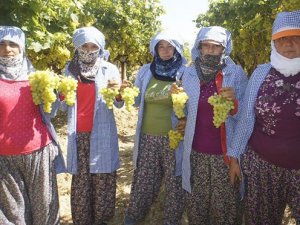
49, 24
250, 22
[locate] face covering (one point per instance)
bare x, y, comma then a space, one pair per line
287, 67
86, 56
207, 66
11, 68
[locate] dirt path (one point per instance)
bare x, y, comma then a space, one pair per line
126, 123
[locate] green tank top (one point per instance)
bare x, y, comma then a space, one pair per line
157, 108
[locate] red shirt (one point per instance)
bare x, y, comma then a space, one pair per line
22, 130
86, 97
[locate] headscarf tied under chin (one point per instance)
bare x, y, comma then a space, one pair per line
207, 66
85, 65
166, 70
14, 68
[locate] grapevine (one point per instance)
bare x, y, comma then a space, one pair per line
128, 95
43, 85
67, 87
179, 99
174, 138
109, 95
221, 107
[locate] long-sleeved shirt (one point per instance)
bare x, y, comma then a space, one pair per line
233, 76
104, 148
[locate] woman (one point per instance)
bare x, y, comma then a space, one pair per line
211, 199
153, 158
29, 151
268, 132
93, 151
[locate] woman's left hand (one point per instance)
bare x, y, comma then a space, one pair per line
228, 92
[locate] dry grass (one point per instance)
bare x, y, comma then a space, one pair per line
126, 123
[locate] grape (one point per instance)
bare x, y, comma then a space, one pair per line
128, 95
179, 100
221, 107
43, 85
174, 138
67, 87
109, 95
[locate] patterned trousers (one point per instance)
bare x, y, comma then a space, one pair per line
93, 196
268, 190
156, 160
213, 200
28, 188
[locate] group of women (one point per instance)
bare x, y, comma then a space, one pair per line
248, 168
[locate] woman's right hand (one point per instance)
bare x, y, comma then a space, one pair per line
176, 89
234, 171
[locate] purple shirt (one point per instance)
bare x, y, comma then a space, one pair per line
207, 138
276, 134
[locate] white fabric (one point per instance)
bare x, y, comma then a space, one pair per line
213, 33
287, 67
13, 34
89, 34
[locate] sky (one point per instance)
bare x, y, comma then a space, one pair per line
180, 15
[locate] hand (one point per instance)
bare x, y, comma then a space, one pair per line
234, 171
125, 84
228, 92
113, 84
180, 127
176, 89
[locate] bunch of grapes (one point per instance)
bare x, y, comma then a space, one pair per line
109, 95
222, 107
128, 95
174, 138
67, 87
42, 85
179, 99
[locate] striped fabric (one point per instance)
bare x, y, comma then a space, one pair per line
284, 22
88, 34
245, 126
13, 34
215, 33
171, 37
104, 148
234, 76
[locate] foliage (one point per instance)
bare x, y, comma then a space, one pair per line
127, 24
250, 22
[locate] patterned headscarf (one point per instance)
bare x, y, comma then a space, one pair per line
208, 65
14, 68
167, 70
85, 65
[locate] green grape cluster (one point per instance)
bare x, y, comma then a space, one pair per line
128, 95
174, 138
109, 95
67, 87
43, 85
179, 100
221, 107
